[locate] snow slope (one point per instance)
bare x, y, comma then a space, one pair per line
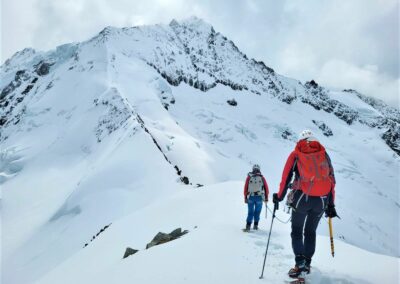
214, 251
104, 132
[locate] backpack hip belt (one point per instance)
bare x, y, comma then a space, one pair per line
256, 194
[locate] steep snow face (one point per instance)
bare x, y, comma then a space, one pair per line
95, 131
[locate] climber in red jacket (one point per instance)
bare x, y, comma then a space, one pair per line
255, 192
312, 194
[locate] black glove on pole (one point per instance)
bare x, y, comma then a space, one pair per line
276, 207
275, 198
330, 212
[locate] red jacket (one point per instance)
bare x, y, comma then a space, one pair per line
290, 168
246, 187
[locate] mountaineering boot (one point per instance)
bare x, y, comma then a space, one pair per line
307, 269
248, 225
307, 265
296, 271
255, 226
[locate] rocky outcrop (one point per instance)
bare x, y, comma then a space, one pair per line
232, 102
129, 251
324, 128
162, 238
20, 76
43, 68
392, 137
185, 180
318, 98
116, 115
98, 233
11, 109
287, 134
389, 120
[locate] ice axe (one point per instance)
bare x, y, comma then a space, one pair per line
331, 236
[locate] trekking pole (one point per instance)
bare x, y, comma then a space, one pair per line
276, 207
331, 236
266, 211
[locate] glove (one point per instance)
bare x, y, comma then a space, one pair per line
275, 198
330, 212
245, 200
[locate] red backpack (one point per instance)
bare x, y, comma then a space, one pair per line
314, 171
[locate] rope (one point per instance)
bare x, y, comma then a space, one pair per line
279, 220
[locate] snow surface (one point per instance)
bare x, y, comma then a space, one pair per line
97, 139
215, 250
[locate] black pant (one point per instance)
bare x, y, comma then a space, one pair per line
306, 214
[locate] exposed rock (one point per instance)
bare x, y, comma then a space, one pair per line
287, 99
162, 238
27, 89
318, 97
117, 113
232, 102
129, 251
185, 180
178, 171
3, 120
325, 128
98, 233
287, 134
49, 85
345, 113
20, 75
311, 84
176, 233
392, 137
43, 68
263, 66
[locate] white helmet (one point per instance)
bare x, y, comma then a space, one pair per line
256, 168
306, 134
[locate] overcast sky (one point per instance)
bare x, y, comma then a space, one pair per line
340, 44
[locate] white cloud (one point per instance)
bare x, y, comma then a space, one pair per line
366, 79
299, 39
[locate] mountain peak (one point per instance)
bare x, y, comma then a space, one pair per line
19, 57
192, 22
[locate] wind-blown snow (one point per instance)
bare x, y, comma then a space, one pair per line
104, 131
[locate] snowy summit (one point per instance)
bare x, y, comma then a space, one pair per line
140, 130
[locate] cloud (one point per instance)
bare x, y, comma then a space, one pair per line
366, 79
303, 39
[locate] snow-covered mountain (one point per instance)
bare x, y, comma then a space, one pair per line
155, 127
